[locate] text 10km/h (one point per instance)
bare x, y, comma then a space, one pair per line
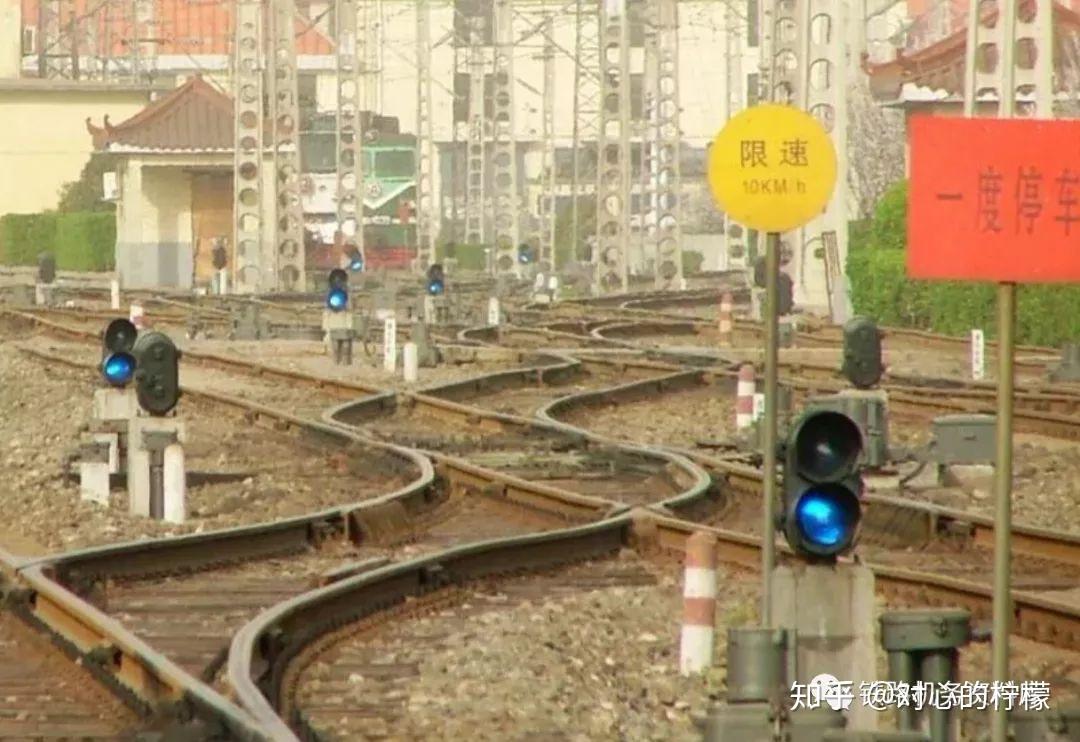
773, 186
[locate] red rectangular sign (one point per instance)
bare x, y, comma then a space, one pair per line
994, 200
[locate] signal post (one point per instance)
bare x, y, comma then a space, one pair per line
157, 483
113, 407
773, 169
337, 319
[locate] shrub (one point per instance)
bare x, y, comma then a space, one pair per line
880, 288
23, 236
80, 241
86, 241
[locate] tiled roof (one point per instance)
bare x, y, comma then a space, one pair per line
179, 27
940, 66
194, 117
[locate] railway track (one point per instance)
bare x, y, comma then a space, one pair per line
268, 653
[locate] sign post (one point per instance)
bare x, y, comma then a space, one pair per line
996, 200
771, 168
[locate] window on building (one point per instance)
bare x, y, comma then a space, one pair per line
394, 163
753, 31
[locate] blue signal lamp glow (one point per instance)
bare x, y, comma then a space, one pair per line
435, 287
356, 265
524, 258
337, 299
826, 518
118, 369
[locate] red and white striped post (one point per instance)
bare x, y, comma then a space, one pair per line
744, 397
699, 604
724, 322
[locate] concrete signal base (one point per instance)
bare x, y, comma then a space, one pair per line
157, 481
831, 610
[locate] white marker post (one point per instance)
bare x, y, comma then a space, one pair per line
174, 485
493, 312
410, 362
390, 344
114, 294
978, 355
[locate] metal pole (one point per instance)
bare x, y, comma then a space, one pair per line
1002, 500
768, 540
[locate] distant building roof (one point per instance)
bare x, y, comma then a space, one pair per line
177, 27
195, 117
940, 66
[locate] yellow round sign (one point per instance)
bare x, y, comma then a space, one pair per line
772, 168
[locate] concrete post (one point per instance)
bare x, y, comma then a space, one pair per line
174, 481
409, 362
114, 294
699, 604
493, 312
978, 355
831, 609
94, 472
223, 281
429, 309
140, 460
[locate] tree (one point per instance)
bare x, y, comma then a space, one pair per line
876, 153
86, 193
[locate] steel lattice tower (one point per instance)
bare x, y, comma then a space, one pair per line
504, 145
349, 125
665, 146
547, 166
586, 126
985, 41
806, 66
476, 187
248, 146
613, 181
425, 197
288, 261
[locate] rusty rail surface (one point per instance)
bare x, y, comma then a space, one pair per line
261, 651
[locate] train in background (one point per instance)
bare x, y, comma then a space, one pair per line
389, 194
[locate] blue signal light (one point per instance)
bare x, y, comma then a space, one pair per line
435, 287
826, 519
337, 299
356, 264
118, 369
523, 257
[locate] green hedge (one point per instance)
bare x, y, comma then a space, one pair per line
880, 288
86, 241
23, 236
81, 240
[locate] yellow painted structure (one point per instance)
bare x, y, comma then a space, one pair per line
45, 142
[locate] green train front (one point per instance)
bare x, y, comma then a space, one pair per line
389, 194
